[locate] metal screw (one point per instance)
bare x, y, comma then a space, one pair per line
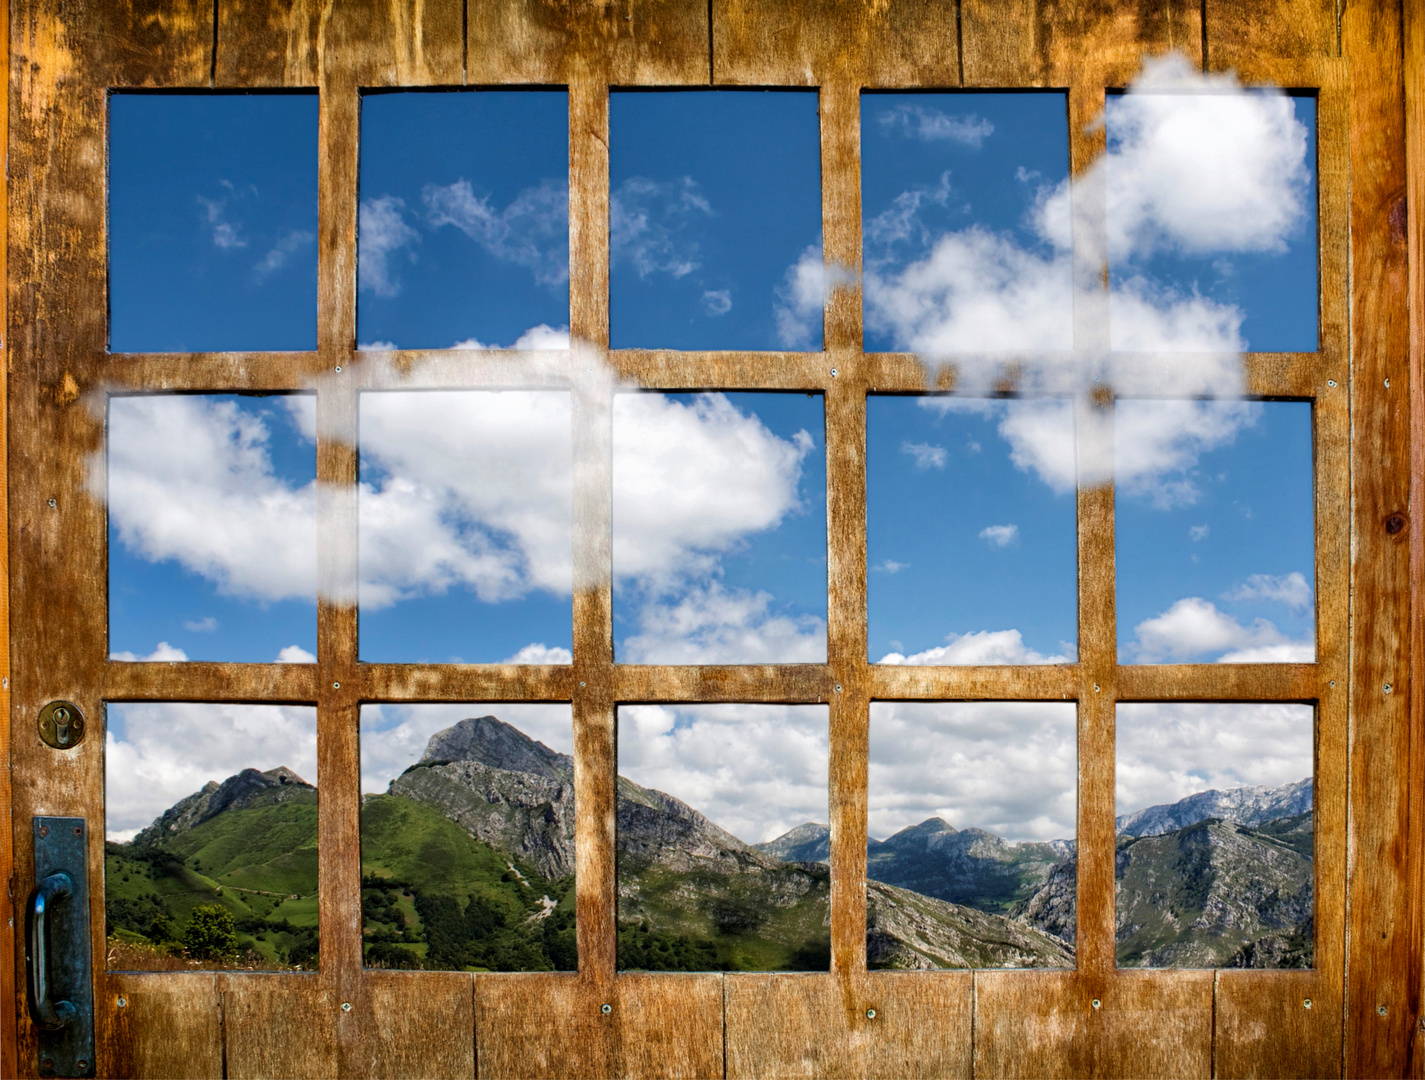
1388, 688
53, 504
1330, 382
346, 1006
833, 373
44, 830
1095, 688
838, 688
1333, 682
1387, 384
122, 1002
1097, 1004
82, 1065
78, 830
338, 368
336, 686
582, 683
1381, 1010
870, 1014
606, 1009
1306, 1003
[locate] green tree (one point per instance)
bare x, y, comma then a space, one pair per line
211, 933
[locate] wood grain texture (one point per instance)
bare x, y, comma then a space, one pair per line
817, 1025
9, 902
1384, 956
1239, 34
406, 1024
169, 1025
255, 1007
1265, 1027
537, 1026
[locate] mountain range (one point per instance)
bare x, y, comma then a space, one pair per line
468, 861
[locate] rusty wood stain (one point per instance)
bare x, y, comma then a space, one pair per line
63, 56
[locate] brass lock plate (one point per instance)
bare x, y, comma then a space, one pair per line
61, 725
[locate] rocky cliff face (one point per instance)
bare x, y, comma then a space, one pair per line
909, 930
806, 843
1242, 806
245, 789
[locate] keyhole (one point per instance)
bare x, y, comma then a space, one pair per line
61, 726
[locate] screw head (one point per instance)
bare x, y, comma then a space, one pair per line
1306, 1003
44, 830
53, 504
336, 686
78, 830
82, 1065
582, 683
838, 688
870, 1014
1381, 1010
346, 1006
1388, 688
833, 373
122, 1002
338, 368
1097, 1003
1330, 382
606, 1009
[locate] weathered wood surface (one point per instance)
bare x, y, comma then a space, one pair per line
63, 56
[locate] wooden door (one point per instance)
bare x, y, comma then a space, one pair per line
1356, 1011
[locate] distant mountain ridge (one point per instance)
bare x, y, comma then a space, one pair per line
1241, 806
245, 789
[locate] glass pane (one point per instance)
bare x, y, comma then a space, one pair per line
464, 222
1211, 213
466, 527
970, 530
210, 854
723, 838
958, 253
1215, 532
212, 528
212, 222
715, 220
719, 528
972, 856
467, 837
1215, 836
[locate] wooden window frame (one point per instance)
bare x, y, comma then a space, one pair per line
1369, 430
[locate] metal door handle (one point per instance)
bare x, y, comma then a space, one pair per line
48, 1014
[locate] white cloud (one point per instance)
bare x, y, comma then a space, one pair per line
540, 653
801, 298
925, 455
1168, 751
205, 625
717, 301
1292, 589
1009, 767
164, 652
890, 566
287, 245
225, 234
981, 647
1000, 536
394, 736
1198, 533
1194, 628
382, 232
929, 124
159, 752
647, 220
191, 479
532, 231
755, 770
1159, 442
542, 336
295, 654
712, 624
691, 481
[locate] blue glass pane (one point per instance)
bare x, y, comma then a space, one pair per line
464, 221
212, 222
715, 220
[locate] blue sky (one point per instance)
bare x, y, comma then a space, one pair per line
212, 222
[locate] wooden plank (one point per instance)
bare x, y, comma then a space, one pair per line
536, 1026
820, 1025
1266, 1028
411, 1024
897, 43
1238, 33
269, 42
193, 681
255, 1007
9, 924
1384, 959
162, 1025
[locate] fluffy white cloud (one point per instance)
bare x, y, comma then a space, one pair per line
1009, 767
981, 647
691, 481
1194, 628
542, 336
1292, 589
801, 298
540, 653
709, 623
755, 770
287, 245
1159, 442
929, 124
164, 652
156, 753
1168, 751
191, 479
717, 301
532, 231
1000, 535
925, 455
647, 220
394, 736
381, 233
295, 654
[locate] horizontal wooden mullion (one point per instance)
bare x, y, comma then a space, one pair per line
785, 683
465, 682
219, 372
198, 681
1048, 682
1220, 682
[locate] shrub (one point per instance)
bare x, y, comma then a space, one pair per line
211, 933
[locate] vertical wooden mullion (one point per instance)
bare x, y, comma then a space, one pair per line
595, 748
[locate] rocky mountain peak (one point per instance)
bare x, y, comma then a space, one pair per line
250, 787
810, 842
1241, 806
492, 742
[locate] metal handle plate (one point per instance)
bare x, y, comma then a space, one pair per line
46, 1012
